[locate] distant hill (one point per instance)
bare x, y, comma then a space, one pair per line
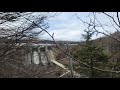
110, 45
48, 41
106, 40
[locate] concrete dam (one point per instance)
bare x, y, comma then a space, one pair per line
41, 54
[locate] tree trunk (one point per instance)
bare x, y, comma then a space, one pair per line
91, 61
70, 61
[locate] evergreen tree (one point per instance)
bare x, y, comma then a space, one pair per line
90, 53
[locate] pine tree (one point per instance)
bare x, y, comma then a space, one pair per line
90, 53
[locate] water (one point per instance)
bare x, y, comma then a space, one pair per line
27, 58
44, 58
36, 57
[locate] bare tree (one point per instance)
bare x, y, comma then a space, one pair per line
17, 28
11, 35
14, 29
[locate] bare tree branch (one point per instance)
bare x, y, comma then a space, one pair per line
112, 19
118, 18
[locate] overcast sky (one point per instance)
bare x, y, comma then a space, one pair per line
66, 26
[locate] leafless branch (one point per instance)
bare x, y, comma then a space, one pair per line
112, 19
118, 18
